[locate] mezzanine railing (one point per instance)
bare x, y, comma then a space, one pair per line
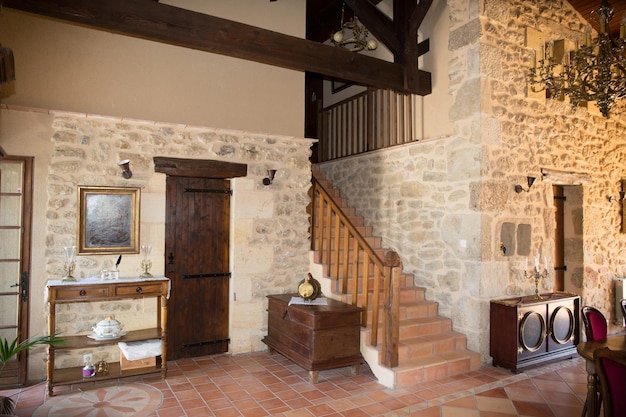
374, 119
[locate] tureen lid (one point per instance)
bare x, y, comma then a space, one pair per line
108, 322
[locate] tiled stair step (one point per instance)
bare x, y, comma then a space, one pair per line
436, 344
424, 326
423, 319
411, 305
430, 368
405, 280
411, 298
365, 231
350, 258
418, 309
373, 241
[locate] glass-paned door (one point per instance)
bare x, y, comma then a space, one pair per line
15, 223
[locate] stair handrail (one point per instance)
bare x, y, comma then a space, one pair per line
329, 238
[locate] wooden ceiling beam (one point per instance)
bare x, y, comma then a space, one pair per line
175, 26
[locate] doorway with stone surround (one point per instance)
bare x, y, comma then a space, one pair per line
568, 238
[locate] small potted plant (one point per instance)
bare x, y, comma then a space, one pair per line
9, 351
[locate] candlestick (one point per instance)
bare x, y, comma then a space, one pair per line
146, 263
69, 263
537, 276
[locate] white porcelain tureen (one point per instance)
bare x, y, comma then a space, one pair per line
108, 327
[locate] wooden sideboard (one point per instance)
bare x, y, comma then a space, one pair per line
91, 290
527, 331
315, 337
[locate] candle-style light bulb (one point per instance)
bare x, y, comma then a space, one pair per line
537, 263
526, 264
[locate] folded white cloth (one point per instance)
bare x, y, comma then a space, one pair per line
302, 301
140, 350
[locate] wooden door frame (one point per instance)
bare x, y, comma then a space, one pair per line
25, 259
559, 236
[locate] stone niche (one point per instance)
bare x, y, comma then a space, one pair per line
515, 239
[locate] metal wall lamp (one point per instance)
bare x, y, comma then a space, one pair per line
270, 177
612, 199
519, 188
125, 166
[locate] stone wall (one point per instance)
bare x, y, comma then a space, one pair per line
269, 224
441, 202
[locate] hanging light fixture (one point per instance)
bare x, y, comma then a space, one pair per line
358, 41
594, 71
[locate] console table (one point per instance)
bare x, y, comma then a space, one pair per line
315, 337
91, 290
530, 331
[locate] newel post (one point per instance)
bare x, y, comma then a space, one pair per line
391, 319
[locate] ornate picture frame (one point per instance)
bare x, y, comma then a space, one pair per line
108, 220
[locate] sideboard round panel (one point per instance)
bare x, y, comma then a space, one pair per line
532, 331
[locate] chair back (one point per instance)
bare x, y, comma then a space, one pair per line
622, 304
595, 323
611, 369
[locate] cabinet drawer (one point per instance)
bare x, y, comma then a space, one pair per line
138, 290
80, 293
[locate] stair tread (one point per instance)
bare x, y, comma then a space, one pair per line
431, 338
423, 320
435, 359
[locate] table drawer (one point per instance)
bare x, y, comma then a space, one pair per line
138, 289
79, 293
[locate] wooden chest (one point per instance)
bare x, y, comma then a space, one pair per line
313, 336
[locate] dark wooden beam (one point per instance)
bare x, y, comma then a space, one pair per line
172, 25
406, 30
200, 168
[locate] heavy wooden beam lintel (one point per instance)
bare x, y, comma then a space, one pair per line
200, 168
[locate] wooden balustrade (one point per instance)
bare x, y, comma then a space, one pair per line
374, 119
370, 278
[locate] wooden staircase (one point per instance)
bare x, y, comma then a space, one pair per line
403, 338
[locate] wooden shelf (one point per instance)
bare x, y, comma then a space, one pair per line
66, 376
80, 342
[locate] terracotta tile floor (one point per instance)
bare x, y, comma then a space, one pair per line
260, 384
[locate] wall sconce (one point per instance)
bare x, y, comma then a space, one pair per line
519, 188
612, 199
270, 177
125, 165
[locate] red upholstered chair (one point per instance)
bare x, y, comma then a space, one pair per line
596, 328
595, 323
611, 369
